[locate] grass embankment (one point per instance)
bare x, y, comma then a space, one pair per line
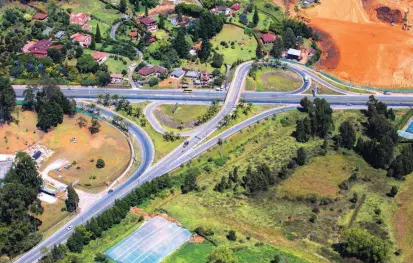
162, 147
322, 90
93, 7
184, 117
52, 215
269, 79
257, 219
243, 48
108, 144
281, 215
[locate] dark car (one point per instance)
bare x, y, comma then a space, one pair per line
186, 143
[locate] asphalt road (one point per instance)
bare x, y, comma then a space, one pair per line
182, 154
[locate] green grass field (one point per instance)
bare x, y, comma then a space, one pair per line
269, 79
191, 253
244, 45
185, 115
115, 66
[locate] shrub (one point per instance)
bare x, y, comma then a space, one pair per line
232, 235
100, 163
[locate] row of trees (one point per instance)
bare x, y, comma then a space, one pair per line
96, 226
319, 121
7, 100
49, 103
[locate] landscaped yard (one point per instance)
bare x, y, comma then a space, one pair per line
93, 7
52, 215
109, 144
185, 115
243, 48
269, 79
115, 66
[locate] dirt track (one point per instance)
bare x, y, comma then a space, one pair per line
360, 49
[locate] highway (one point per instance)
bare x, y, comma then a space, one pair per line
195, 146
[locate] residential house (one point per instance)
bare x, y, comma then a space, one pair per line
40, 16
267, 38
134, 35
236, 7
59, 34
78, 18
177, 73
52, 190
100, 57
116, 78
149, 24
192, 74
149, 70
222, 10
82, 39
205, 77
243, 18
39, 48
293, 54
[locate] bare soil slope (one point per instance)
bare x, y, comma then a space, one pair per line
360, 45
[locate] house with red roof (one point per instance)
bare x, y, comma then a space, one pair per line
39, 48
236, 7
40, 16
87, 27
134, 34
149, 24
100, 57
149, 70
82, 39
267, 38
78, 18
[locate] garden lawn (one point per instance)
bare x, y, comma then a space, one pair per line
115, 66
18, 137
52, 215
269, 79
95, 8
108, 144
104, 28
244, 45
184, 116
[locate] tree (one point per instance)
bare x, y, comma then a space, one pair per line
217, 60
277, 48
306, 104
95, 126
102, 78
55, 54
289, 38
205, 50
347, 134
255, 18
301, 156
259, 52
92, 43
303, 130
122, 6
49, 116
72, 200
222, 254
29, 101
361, 244
276, 259
98, 36
7, 100
87, 64
190, 181
100, 163
232, 235
162, 19
82, 122
180, 44
393, 191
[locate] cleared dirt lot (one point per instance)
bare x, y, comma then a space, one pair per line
362, 50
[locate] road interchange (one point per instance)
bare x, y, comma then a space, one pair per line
196, 146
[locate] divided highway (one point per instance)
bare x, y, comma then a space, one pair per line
180, 155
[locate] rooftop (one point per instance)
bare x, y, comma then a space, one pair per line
294, 52
78, 37
98, 55
116, 76
147, 21
78, 18
268, 37
40, 16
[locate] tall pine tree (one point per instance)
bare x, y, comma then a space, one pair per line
277, 48
181, 45
122, 6
255, 18
72, 200
205, 50
98, 36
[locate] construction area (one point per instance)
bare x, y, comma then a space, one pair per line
366, 42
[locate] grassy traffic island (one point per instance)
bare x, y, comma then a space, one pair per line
180, 117
271, 79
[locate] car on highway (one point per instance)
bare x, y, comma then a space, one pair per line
69, 228
349, 104
306, 79
387, 93
186, 143
110, 191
